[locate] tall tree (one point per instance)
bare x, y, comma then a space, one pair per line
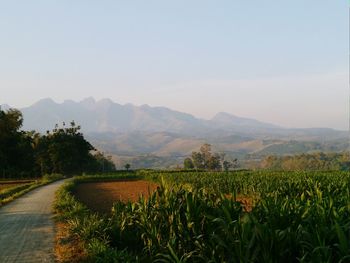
205, 159
188, 164
16, 152
64, 150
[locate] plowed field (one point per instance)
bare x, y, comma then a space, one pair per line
100, 196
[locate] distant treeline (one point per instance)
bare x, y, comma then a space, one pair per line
308, 162
63, 150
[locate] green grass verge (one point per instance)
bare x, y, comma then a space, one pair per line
90, 228
9, 194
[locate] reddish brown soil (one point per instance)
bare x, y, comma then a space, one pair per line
68, 248
247, 202
100, 196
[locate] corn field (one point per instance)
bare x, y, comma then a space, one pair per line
197, 217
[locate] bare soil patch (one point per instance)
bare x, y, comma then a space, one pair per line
246, 201
100, 196
68, 247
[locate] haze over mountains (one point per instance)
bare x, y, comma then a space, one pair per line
128, 131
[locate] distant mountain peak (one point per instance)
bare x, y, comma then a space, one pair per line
145, 106
227, 119
88, 100
106, 101
69, 102
225, 115
45, 102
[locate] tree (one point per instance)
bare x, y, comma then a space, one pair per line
101, 163
214, 163
127, 166
198, 160
309, 162
205, 159
65, 151
226, 165
16, 151
62, 150
205, 151
188, 164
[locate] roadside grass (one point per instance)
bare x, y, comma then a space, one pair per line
86, 235
9, 194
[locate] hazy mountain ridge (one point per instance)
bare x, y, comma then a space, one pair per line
107, 116
128, 130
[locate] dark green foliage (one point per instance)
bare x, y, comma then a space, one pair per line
29, 154
188, 164
65, 151
16, 151
172, 219
127, 166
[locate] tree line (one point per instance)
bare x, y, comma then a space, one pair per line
63, 150
206, 160
308, 162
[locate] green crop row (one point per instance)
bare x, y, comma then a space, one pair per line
296, 217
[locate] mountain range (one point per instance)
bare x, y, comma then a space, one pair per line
130, 132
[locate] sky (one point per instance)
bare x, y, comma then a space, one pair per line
279, 61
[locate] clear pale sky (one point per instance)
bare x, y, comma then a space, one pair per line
279, 61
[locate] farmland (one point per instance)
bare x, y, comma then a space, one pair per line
102, 195
11, 189
200, 217
10, 184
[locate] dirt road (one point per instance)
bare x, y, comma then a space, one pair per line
27, 228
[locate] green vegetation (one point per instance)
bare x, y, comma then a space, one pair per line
309, 162
127, 166
197, 217
206, 160
12, 193
29, 154
16, 151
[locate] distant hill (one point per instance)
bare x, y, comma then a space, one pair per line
107, 116
129, 131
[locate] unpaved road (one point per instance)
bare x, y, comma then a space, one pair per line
26, 227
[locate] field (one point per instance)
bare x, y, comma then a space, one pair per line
202, 217
11, 189
10, 184
102, 195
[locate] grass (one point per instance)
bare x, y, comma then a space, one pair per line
296, 217
9, 194
85, 230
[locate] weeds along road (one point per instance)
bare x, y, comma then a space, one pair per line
26, 227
